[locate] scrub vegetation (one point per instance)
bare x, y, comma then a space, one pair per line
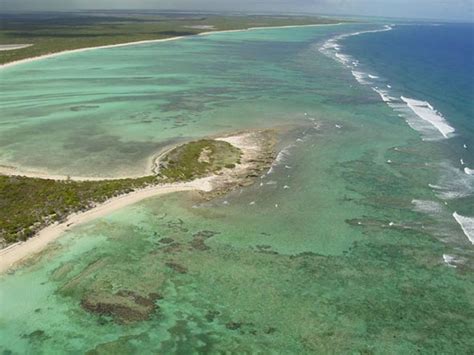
199, 158
29, 204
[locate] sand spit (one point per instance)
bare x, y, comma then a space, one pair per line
56, 54
12, 171
11, 47
257, 155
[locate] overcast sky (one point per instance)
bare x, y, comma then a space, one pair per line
441, 9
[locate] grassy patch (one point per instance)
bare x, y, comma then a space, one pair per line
198, 159
29, 204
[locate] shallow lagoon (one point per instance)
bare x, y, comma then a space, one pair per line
338, 261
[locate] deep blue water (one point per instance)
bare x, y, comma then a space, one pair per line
431, 65
434, 63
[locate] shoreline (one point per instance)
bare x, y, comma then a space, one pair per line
12, 171
149, 169
12, 47
18, 252
125, 44
253, 145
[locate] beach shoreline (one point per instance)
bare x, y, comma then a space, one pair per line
252, 144
79, 50
18, 252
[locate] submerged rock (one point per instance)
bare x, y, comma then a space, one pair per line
166, 240
199, 239
125, 306
211, 315
233, 325
177, 267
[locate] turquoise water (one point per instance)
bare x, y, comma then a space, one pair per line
340, 261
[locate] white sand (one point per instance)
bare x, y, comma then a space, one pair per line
11, 47
18, 252
10, 170
52, 55
28, 60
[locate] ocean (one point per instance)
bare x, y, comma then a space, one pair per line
358, 240
424, 72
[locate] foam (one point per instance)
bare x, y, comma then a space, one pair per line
450, 260
426, 112
432, 122
384, 94
469, 171
428, 207
332, 48
467, 225
344, 59
427, 131
360, 77
282, 156
453, 183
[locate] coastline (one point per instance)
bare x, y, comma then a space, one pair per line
12, 171
18, 252
149, 169
255, 146
79, 50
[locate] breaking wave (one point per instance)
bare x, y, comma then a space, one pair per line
467, 225
453, 183
425, 111
420, 115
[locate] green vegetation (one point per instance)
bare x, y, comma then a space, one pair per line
198, 159
29, 204
56, 32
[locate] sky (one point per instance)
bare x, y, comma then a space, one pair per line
435, 9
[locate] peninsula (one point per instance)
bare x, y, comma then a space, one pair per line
41, 209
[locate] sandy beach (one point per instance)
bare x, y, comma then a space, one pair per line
10, 170
250, 144
17, 252
12, 47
